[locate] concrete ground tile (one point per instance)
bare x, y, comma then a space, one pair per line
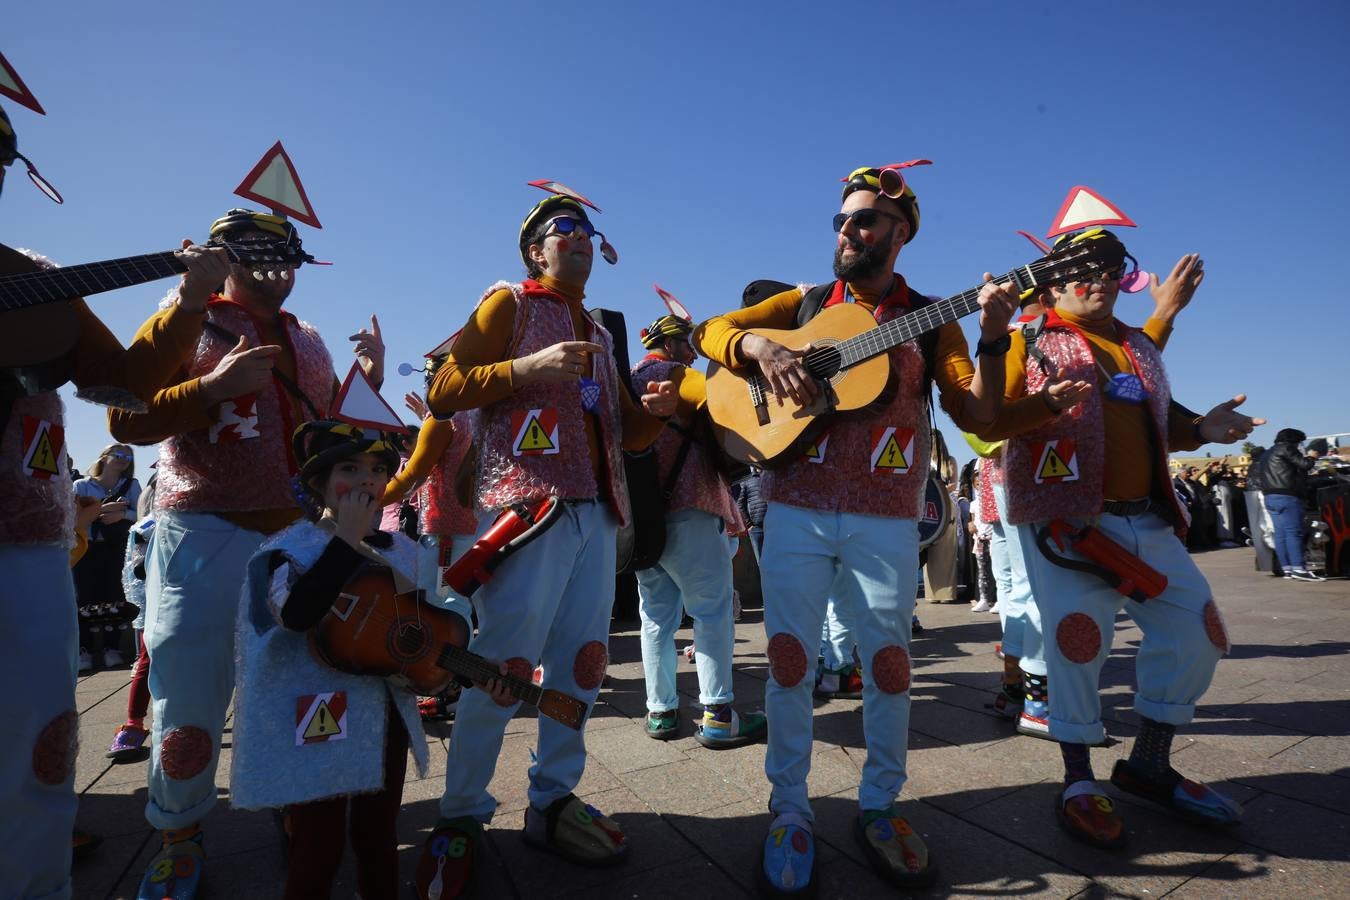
1247, 872
510, 781
1294, 829
628, 749
956, 779
1317, 754
672, 881
688, 787
977, 700
99, 875
956, 726
1161, 853
124, 776
1241, 735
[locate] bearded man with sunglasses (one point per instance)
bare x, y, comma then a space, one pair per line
838, 510
1101, 470
549, 418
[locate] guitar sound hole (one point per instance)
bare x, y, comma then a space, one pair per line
408, 642
824, 362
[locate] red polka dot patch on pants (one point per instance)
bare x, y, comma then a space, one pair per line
55, 748
787, 659
589, 668
1078, 638
185, 752
890, 669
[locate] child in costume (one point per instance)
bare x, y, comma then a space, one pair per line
310, 738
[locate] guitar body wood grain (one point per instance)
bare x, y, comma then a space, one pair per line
765, 432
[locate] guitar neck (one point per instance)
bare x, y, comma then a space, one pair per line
474, 667
50, 285
909, 326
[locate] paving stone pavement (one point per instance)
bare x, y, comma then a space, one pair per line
1274, 731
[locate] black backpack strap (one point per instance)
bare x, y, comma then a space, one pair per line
928, 343
291, 387
812, 302
1031, 333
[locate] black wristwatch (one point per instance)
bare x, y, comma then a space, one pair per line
997, 348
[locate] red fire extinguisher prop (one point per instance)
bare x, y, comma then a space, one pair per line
1109, 561
518, 524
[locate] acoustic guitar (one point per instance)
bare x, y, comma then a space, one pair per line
849, 363
373, 630
39, 323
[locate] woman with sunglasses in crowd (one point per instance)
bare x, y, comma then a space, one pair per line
98, 575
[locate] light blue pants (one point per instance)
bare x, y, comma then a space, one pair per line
694, 574
837, 639
1182, 629
1017, 610
550, 603
429, 572
876, 558
38, 722
194, 572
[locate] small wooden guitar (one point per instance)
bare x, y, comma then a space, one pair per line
39, 323
374, 630
848, 360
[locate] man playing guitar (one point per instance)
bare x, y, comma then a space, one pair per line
37, 596
225, 483
852, 502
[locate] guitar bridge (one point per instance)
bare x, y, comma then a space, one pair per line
758, 398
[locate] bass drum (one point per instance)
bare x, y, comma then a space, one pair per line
936, 514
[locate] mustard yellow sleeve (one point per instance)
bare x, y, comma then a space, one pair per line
478, 370
953, 372
1158, 332
693, 389
1018, 412
719, 338
161, 349
1182, 427
177, 408
432, 439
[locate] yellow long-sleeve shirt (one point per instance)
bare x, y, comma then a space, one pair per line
720, 338
478, 370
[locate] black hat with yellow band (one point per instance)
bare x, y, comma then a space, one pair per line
888, 182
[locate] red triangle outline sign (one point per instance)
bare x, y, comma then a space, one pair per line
248, 188
364, 391
444, 346
1098, 211
12, 86
676, 307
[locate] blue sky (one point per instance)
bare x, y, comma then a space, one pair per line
713, 135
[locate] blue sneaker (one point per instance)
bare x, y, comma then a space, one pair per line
788, 866
175, 872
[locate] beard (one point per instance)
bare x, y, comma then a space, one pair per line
871, 259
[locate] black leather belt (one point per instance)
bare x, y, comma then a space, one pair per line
1128, 507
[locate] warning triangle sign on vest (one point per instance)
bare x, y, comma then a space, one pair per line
892, 449
275, 184
321, 724
12, 86
535, 438
816, 452
358, 403
535, 432
1084, 207
1056, 461
44, 446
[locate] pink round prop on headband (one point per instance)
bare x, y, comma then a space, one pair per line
1134, 282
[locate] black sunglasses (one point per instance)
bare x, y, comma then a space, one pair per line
566, 225
862, 218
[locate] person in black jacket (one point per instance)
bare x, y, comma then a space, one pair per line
1284, 472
